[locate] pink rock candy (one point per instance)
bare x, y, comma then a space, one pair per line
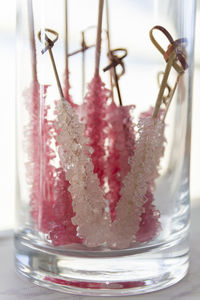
149, 224
121, 142
102, 136
51, 203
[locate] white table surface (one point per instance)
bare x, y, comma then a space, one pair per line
14, 287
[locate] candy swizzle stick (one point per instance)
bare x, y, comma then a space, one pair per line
154, 131
174, 57
75, 157
99, 130
135, 208
32, 98
36, 138
122, 123
56, 209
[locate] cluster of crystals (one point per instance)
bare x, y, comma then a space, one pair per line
149, 224
87, 196
144, 166
121, 142
122, 121
51, 203
134, 210
61, 230
102, 138
33, 144
102, 193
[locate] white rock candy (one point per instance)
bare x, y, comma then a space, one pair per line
87, 196
144, 170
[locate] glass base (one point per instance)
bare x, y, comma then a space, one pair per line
100, 275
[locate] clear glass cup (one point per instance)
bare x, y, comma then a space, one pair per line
104, 93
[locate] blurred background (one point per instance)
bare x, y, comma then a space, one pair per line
7, 125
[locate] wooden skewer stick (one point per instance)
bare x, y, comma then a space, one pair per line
83, 63
115, 61
86, 47
48, 46
177, 67
81, 50
108, 25
173, 55
167, 96
32, 38
109, 49
66, 45
169, 65
98, 39
172, 94
117, 87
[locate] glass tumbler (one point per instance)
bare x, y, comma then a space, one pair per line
103, 125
